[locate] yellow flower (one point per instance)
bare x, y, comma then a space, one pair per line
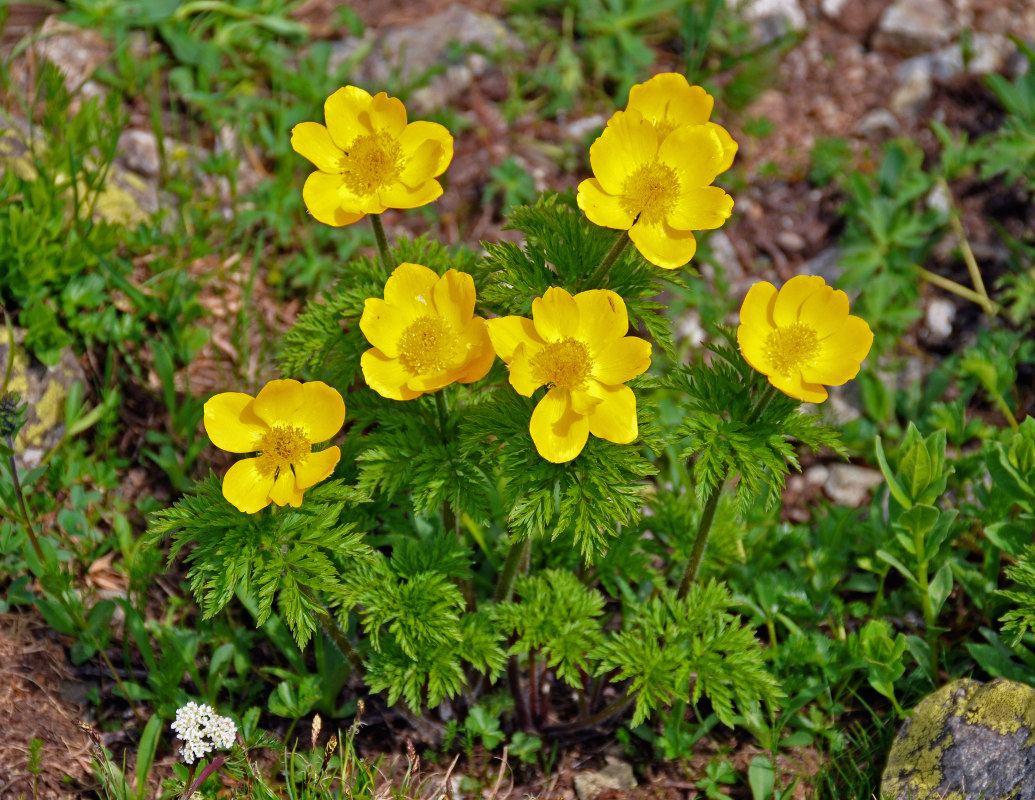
281, 424
368, 158
668, 101
577, 347
424, 334
802, 336
657, 187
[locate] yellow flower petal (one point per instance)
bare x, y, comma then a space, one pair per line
601, 208
507, 333
729, 146
345, 112
246, 488
669, 98
627, 143
311, 140
387, 114
558, 432
322, 412
700, 209
521, 377
756, 324
421, 134
320, 195
555, 314
399, 195
825, 311
663, 245
231, 423
603, 318
795, 386
622, 360
279, 402
284, 491
614, 418
386, 376
792, 295
410, 289
696, 153
316, 467
583, 402
853, 340
481, 362
454, 296
382, 324
421, 163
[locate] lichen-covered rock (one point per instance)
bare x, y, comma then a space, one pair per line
43, 389
966, 741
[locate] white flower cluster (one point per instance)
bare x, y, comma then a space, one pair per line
202, 731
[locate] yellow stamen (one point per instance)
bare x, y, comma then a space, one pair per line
428, 345
371, 162
791, 347
280, 447
565, 364
650, 192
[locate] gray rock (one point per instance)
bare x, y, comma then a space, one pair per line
76, 52
616, 775
967, 740
938, 318
43, 390
879, 122
454, 41
909, 27
832, 8
849, 485
771, 19
915, 84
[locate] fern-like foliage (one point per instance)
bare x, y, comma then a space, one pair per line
719, 399
589, 498
671, 649
284, 555
412, 610
557, 615
563, 248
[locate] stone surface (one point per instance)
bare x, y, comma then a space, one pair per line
76, 52
938, 318
771, 19
966, 741
43, 389
849, 485
617, 775
909, 27
453, 41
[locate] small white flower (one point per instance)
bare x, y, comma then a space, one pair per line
202, 731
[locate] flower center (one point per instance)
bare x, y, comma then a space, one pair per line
282, 446
790, 347
428, 345
371, 162
650, 192
565, 364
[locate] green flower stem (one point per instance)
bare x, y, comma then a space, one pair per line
925, 604
517, 556
21, 502
968, 254
382, 242
957, 289
336, 634
704, 527
598, 280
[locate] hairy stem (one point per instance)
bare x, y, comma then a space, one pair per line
704, 527
382, 242
331, 628
598, 280
517, 555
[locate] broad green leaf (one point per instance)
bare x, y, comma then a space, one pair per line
893, 485
939, 588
